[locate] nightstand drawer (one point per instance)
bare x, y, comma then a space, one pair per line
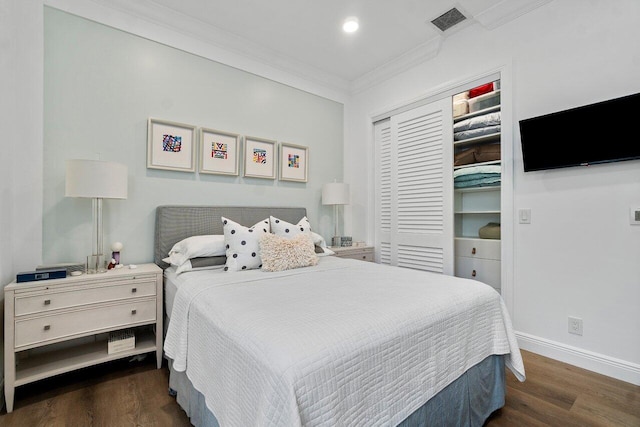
483, 270
361, 255
42, 330
73, 297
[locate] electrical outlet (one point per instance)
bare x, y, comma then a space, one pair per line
575, 325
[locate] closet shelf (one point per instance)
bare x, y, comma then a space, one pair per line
493, 162
477, 189
474, 238
492, 212
477, 140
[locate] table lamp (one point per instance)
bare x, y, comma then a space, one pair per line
335, 193
97, 180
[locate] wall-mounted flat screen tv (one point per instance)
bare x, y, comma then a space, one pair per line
596, 133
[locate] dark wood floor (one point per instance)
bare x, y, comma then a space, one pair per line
136, 394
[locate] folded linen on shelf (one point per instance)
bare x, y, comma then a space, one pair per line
484, 120
477, 176
474, 133
464, 173
487, 181
477, 154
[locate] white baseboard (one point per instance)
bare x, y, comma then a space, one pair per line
605, 365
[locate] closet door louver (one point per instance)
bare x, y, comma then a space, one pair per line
383, 142
415, 195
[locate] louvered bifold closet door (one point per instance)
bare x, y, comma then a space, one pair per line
382, 137
421, 188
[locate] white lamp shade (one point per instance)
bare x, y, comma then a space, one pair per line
96, 179
335, 193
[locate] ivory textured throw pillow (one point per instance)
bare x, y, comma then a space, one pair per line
280, 253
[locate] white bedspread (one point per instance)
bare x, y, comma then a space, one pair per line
345, 342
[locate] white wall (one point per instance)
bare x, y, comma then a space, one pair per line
101, 86
21, 45
21, 123
579, 256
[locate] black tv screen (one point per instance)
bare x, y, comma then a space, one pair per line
596, 133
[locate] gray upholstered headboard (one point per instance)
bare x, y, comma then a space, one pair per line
175, 222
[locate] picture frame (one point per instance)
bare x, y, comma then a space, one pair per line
219, 152
294, 162
171, 145
260, 158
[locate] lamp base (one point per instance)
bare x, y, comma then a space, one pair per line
96, 264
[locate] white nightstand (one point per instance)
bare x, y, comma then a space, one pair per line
56, 326
363, 253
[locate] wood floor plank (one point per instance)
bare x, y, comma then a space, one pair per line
509, 417
599, 410
542, 388
113, 394
126, 393
545, 412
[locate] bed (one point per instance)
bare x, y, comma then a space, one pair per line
341, 342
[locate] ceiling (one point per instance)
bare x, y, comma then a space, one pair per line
305, 36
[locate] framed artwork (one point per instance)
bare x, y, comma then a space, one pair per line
259, 158
294, 162
219, 152
171, 146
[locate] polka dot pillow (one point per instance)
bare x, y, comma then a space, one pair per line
243, 244
287, 230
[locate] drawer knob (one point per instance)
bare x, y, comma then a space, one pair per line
473, 273
47, 302
473, 251
133, 311
134, 290
47, 327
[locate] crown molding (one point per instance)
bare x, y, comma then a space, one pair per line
147, 19
506, 11
490, 19
402, 63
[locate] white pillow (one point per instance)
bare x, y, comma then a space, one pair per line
287, 230
196, 247
187, 266
318, 240
325, 252
242, 244
285, 253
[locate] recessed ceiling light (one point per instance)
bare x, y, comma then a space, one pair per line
350, 25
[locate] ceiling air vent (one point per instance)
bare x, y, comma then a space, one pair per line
448, 19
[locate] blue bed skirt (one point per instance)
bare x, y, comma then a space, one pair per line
468, 401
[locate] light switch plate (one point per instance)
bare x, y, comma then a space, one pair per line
524, 216
634, 215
